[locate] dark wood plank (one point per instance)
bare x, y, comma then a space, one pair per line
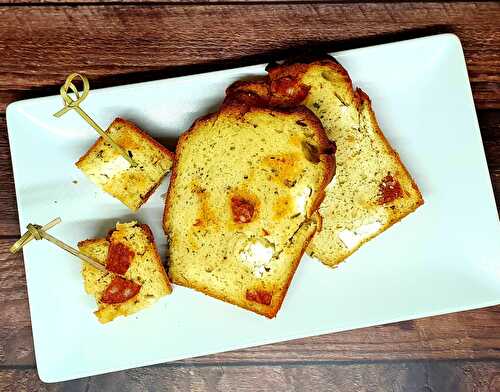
41, 45
492, 151
171, 41
489, 122
379, 377
467, 335
194, 2
9, 223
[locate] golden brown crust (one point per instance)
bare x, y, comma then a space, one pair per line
129, 125
233, 103
149, 234
258, 93
293, 71
327, 155
289, 281
87, 153
218, 295
148, 194
270, 311
180, 143
364, 98
152, 278
303, 58
85, 243
248, 93
327, 148
144, 135
239, 105
274, 93
122, 131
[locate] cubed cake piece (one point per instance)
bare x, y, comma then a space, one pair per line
107, 168
136, 277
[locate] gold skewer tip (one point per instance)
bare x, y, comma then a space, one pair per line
69, 104
38, 232
28, 236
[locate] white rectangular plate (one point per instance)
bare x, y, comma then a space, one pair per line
445, 257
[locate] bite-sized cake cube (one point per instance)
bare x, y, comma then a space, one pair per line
107, 168
136, 277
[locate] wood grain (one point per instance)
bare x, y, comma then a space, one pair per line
467, 335
378, 377
114, 43
194, 2
39, 48
9, 223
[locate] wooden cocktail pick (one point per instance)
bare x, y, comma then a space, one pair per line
69, 104
38, 232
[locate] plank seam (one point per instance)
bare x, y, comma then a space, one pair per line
291, 364
221, 3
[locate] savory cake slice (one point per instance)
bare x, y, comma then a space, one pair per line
136, 277
240, 207
113, 173
372, 189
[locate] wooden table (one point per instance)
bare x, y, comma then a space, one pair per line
41, 42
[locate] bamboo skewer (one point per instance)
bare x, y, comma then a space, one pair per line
69, 104
28, 236
38, 232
